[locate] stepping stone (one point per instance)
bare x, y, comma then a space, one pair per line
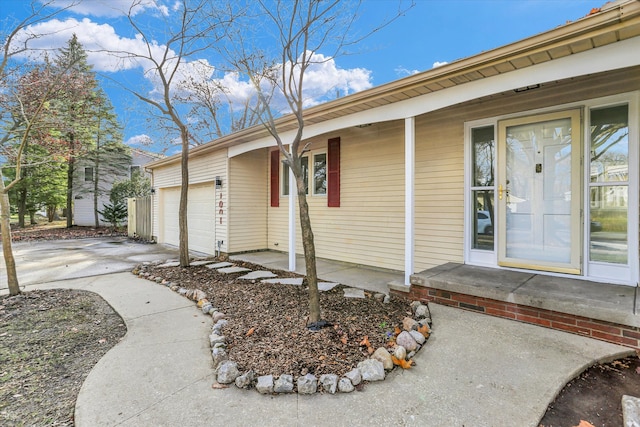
229, 270
219, 265
630, 411
326, 286
297, 281
169, 264
353, 293
263, 274
203, 262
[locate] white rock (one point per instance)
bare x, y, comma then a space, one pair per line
329, 382
400, 353
265, 384
245, 380
228, 372
219, 355
409, 324
422, 311
307, 384
216, 339
382, 355
345, 386
420, 339
354, 376
284, 384
407, 341
371, 370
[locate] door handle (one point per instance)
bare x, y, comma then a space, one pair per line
500, 191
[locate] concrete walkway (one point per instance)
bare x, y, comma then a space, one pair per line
476, 370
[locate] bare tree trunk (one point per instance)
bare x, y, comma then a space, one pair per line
51, 213
96, 174
309, 253
7, 251
182, 210
32, 217
22, 206
70, 171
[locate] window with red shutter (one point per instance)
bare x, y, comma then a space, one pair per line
333, 173
275, 181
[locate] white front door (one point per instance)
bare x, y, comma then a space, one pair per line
539, 192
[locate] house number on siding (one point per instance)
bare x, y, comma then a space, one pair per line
221, 211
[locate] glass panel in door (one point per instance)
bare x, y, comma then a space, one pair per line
539, 192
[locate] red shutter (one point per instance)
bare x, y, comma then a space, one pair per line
333, 173
275, 178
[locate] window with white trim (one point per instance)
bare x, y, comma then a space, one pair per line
482, 187
317, 175
609, 184
320, 174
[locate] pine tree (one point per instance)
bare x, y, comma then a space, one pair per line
76, 107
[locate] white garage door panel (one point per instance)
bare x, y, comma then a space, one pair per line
200, 217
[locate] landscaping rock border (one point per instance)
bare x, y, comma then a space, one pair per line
406, 342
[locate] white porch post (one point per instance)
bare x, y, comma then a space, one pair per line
292, 221
409, 196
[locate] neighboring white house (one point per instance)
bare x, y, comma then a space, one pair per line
83, 203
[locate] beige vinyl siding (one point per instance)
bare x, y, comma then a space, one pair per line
368, 227
202, 169
248, 198
439, 191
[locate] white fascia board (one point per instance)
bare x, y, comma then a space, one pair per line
606, 58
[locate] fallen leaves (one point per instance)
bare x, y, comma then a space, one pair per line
424, 330
584, 423
404, 364
365, 343
250, 331
218, 386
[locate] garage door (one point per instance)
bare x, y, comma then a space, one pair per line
200, 217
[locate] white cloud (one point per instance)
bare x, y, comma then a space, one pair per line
98, 41
403, 72
324, 80
111, 8
439, 64
140, 140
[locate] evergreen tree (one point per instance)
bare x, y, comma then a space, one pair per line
76, 108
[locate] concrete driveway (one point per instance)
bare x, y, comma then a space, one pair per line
48, 261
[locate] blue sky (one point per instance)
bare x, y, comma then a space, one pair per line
431, 32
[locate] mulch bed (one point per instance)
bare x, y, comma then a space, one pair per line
49, 341
76, 232
267, 322
595, 396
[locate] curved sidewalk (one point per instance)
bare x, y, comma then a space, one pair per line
475, 370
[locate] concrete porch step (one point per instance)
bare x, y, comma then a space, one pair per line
600, 310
